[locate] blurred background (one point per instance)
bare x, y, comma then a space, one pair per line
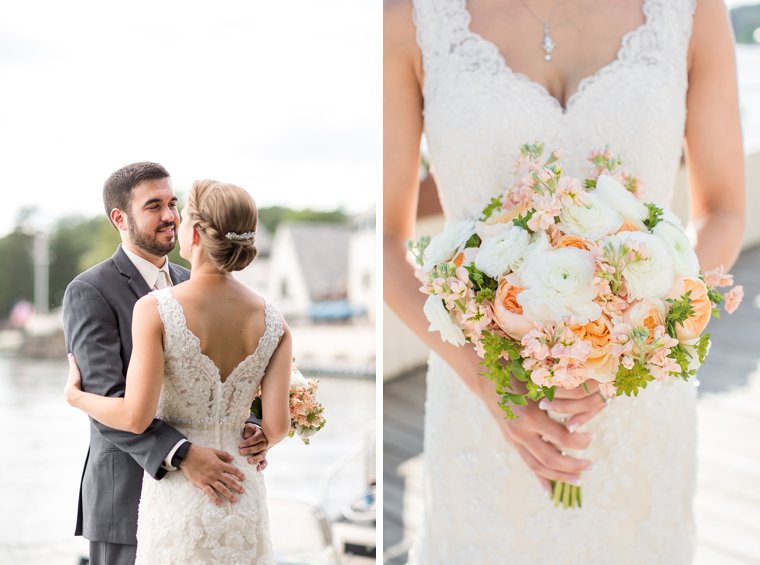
281, 98
727, 502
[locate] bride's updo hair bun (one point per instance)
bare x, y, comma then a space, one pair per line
226, 218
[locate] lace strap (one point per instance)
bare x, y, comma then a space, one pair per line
170, 312
273, 330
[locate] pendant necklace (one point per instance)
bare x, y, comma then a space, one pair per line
547, 43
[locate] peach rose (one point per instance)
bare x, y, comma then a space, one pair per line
508, 313
601, 364
697, 322
630, 226
572, 241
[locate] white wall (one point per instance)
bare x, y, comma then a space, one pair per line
362, 271
284, 267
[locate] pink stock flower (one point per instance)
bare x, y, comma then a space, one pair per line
733, 298
718, 278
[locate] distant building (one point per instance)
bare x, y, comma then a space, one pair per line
256, 275
362, 271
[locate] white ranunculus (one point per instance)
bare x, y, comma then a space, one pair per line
444, 245
592, 220
617, 197
440, 321
652, 276
539, 243
499, 252
558, 283
486, 229
678, 244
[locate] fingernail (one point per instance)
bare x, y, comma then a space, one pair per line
575, 482
589, 467
572, 427
543, 404
547, 487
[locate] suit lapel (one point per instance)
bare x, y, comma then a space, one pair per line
178, 275
127, 269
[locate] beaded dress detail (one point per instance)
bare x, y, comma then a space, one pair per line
177, 522
482, 503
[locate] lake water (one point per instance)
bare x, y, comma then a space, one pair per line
44, 441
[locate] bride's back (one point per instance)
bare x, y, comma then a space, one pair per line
226, 317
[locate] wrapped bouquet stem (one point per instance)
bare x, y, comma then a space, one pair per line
564, 280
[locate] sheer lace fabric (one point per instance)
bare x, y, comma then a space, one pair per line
482, 504
177, 522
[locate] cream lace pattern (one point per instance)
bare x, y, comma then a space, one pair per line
482, 504
177, 522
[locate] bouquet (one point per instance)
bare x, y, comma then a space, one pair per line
562, 280
306, 412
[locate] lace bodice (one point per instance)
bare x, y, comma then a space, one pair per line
193, 394
482, 503
177, 523
478, 112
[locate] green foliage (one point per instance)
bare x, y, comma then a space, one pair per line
485, 286
630, 381
417, 249
522, 221
73, 238
590, 184
474, 241
682, 356
654, 217
502, 361
532, 150
680, 311
492, 206
272, 216
702, 346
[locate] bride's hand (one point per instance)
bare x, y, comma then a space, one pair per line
74, 383
579, 404
539, 440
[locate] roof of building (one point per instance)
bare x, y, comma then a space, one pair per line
322, 252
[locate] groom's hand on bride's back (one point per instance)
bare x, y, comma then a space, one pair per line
212, 471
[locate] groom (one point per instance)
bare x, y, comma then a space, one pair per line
141, 204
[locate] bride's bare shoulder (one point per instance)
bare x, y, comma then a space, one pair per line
398, 24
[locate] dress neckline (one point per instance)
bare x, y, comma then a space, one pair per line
620, 56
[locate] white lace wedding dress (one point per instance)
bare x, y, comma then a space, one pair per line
177, 522
482, 504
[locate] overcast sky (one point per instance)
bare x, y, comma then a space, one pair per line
280, 97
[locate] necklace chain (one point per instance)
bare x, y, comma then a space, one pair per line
547, 43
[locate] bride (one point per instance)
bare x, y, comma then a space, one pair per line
201, 350
649, 78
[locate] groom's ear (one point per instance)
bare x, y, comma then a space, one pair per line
119, 219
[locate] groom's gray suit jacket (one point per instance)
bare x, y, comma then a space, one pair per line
97, 316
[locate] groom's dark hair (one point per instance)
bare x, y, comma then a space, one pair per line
117, 190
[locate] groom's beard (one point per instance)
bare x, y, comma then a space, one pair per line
149, 242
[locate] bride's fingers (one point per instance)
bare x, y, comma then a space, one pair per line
551, 458
542, 471
562, 437
573, 406
579, 419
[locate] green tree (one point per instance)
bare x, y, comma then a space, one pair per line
16, 270
272, 216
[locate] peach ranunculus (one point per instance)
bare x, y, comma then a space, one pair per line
572, 241
600, 364
697, 322
647, 313
508, 313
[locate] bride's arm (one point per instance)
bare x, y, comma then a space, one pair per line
136, 410
402, 129
275, 387
713, 143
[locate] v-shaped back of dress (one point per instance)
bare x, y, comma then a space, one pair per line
193, 394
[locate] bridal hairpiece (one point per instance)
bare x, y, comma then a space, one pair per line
249, 235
